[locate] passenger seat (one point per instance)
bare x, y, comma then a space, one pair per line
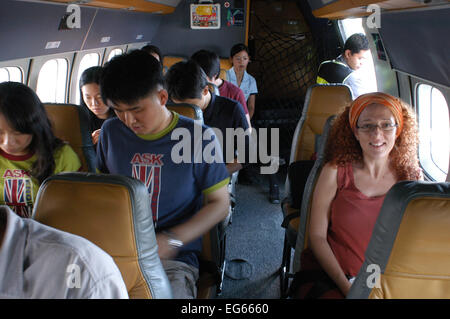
408, 256
322, 101
114, 213
71, 124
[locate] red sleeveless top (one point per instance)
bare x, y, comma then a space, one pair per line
353, 216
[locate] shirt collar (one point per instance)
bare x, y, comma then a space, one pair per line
168, 129
341, 59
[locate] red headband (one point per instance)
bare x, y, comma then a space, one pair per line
392, 103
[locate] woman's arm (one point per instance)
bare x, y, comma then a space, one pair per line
324, 193
251, 105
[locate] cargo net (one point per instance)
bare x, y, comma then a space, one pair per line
284, 65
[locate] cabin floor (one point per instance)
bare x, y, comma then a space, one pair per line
255, 241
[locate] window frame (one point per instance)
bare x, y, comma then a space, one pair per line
76, 67
415, 84
37, 63
64, 92
110, 49
76, 77
9, 73
22, 64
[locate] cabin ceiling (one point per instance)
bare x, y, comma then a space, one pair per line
149, 6
341, 9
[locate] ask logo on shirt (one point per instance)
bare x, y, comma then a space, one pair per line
146, 167
18, 191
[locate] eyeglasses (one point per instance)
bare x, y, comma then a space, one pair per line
386, 127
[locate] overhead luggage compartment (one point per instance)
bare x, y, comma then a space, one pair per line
154, 6
341, 9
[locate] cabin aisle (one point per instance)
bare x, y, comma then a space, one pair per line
254, 242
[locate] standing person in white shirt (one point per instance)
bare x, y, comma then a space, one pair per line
238, 75
239, 55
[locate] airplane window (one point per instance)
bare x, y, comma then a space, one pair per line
11, 74
52, 81
367, 70
434, 129
89, 60
114, 52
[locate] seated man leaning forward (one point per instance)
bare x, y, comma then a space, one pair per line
188, 83
143, 142
40, 262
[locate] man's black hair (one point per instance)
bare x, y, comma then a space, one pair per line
208, 61
186, 80
238, 48
130, 77
153, 49
356, 42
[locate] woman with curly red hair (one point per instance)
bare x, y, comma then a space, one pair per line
372, 146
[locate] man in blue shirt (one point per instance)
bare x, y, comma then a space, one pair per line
140, 143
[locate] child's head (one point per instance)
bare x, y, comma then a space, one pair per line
239, 56
25, 127
90, 92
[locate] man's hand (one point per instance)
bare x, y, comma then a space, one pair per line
95, 136
165, 251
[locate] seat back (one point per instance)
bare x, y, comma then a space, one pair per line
213, 88
305, 208
409, 248
169, 60
189, 110
71, 124
114, 213
225, 65
212, 257
212, 263
321, 101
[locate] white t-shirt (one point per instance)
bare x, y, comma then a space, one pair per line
248, 83
37, 261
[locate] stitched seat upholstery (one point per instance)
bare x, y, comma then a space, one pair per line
70, 123
114, 213
409, 245
321, 102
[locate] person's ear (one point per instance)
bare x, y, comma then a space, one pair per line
205, 90
347, 54
163, 96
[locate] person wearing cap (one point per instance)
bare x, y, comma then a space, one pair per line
373, 146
